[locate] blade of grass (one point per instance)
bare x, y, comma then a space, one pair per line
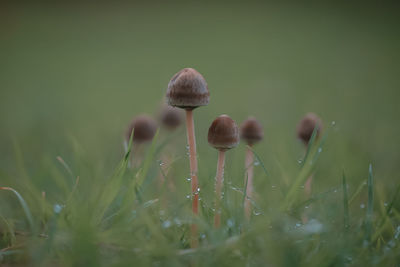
112, 186
370, 207
303, 175
10, 230
24, 207
382, 223
346, 216
310, 145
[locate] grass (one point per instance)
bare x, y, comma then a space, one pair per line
72, 77
127, 219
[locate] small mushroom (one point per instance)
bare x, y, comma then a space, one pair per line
170, 117
188, 90
306, 127
223, 135
144, 128
251, 132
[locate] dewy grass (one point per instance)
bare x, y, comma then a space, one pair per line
124, 230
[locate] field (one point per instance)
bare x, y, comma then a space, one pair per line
73, 75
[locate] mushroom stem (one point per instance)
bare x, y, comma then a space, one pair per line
249, 176
193, 172
218, 188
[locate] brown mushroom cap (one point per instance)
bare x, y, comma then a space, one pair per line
144, 129
223, 133
170, 117
307, 125
188, 89
251, 131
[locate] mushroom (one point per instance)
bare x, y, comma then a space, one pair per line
188, 90
144, 128
306, 127
251, 132
170, 117
223, 135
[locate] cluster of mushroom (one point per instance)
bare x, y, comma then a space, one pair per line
188, 90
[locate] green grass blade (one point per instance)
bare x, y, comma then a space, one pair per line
370, 204
346, 215
24, 207
310, 145
148, 161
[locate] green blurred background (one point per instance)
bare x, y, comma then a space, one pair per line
79, 72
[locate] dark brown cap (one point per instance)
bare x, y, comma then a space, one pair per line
170, 117
223, 133
251, 131
188, 89
307, 125
144, 128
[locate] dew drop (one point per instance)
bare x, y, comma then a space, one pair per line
166, 224
189, 179
362, 205
230, 223
333, 123
319, 149
299, 161
58, 208
187, 196
256, 213
256, 163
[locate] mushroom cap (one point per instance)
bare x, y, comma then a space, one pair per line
144, 127
307, 125
170, 117
188, 89
251, 131
223, 133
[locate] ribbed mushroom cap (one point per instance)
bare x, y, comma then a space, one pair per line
251, 131
223, 133
188, 89
144, 129
170, 117
307, 125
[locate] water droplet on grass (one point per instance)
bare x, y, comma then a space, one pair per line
362, 205
230, 223
319, 149
58, 208
256, 163
189, 179
166, 224
333, 123
256, 213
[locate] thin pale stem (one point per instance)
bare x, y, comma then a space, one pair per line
193, 172
219, 179
249, 176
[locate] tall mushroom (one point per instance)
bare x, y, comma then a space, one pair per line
188, 90
223, 135
251, 132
